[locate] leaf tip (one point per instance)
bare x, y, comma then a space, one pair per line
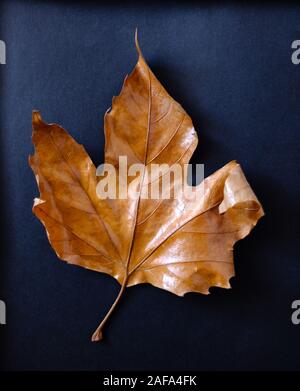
137, 43
36, 117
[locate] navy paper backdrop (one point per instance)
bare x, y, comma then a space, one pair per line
230, 67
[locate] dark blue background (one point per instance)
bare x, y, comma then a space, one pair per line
230, 67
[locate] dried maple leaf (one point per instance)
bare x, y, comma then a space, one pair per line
162, 242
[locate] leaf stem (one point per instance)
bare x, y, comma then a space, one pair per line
98, 335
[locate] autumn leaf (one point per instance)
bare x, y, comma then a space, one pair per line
175, 244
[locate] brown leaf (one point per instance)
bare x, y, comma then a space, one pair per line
174, 244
